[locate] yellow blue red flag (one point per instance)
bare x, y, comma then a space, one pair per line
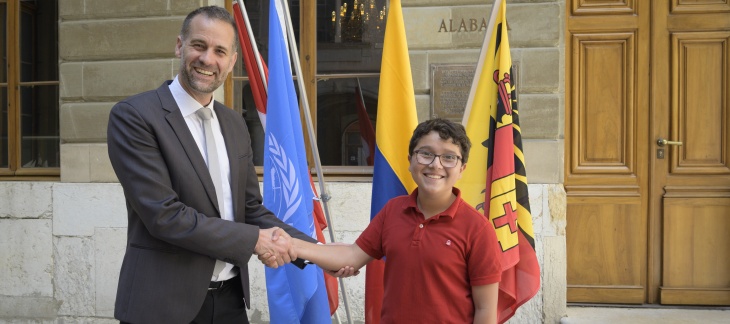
394, 126
495, 181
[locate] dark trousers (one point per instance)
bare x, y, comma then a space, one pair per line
223, 306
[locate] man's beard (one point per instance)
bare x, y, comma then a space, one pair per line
191, 81
189, 78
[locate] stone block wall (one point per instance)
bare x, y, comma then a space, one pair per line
110, 50
62, 246
62, 243
436, 36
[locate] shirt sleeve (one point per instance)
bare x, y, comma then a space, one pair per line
485, 257
371, 239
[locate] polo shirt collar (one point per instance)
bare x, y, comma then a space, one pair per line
450, 212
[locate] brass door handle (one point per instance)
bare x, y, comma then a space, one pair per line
662, 142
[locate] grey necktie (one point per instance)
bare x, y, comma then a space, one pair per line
214, 168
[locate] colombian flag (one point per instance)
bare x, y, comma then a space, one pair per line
394, 126
495, 181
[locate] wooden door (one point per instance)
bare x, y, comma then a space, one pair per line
690, 184
643, 221
607, 143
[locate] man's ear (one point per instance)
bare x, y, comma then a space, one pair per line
233, 62
178, 46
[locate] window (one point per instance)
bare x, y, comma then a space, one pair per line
29, 126
343, 41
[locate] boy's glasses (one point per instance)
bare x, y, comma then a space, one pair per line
447, 160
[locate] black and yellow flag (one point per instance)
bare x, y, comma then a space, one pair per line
495, 182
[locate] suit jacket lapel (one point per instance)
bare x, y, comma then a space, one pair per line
178, 125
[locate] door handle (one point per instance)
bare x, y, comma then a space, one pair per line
662, 142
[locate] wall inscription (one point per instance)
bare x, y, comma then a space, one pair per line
464, 26
450, 85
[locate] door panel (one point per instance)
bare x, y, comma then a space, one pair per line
603, 263
696, 248
700, 114
604, 118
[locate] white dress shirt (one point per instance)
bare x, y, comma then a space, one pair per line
188, 106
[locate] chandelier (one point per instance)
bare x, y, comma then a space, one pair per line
363, 23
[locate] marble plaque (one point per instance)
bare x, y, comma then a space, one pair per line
450, 84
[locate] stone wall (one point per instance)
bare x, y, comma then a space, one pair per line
113, 49
62, 246
110, 50
62, 243
535, 34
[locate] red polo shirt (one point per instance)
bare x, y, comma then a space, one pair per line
431, 263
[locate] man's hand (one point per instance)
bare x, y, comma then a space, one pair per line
274, 247
268, 260
281, 233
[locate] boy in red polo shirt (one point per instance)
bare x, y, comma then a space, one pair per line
443, 263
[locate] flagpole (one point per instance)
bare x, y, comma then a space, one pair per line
371, 146
312, 140
480, 64
260, 65
255, 47
362, 99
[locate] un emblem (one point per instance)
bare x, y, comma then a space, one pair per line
284, 182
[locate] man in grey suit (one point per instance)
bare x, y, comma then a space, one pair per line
180, 226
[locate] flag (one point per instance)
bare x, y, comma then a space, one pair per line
395, 123
495, 181
260, 97
367, 133
295, 295
320, 223
255, 79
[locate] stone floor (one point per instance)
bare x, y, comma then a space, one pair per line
642, 315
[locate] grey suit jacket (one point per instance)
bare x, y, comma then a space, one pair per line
175, 231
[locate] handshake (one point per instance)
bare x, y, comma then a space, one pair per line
275, 248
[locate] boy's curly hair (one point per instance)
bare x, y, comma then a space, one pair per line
447, 130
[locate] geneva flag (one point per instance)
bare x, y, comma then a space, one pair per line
495, 182
395, 123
